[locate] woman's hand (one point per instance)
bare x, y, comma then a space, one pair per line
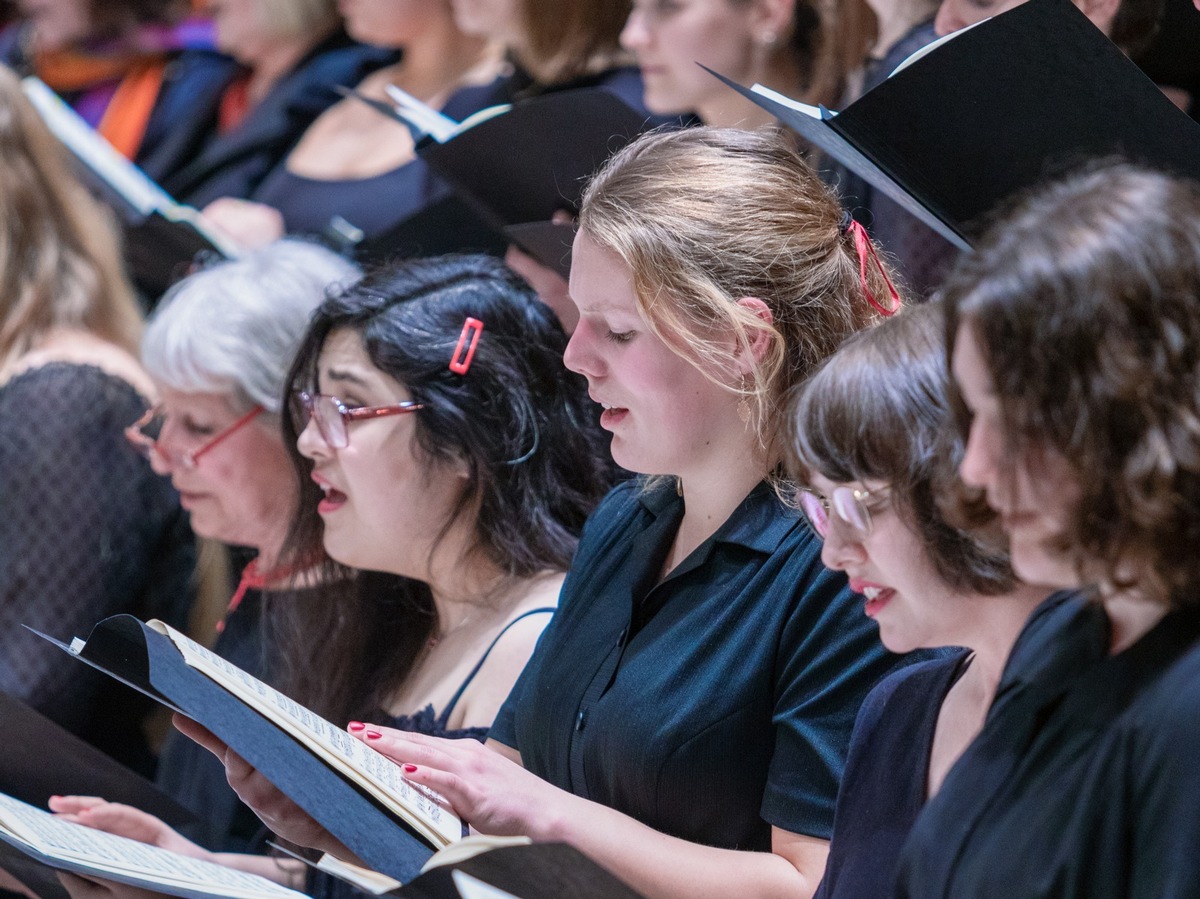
276, 810
494, 794
250, 225
125, 821
86, 888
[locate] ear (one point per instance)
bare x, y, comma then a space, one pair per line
1101, 12
773, 17
760, 340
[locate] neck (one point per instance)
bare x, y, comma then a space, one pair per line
996, 621
274, 62
462, 584
895, 20
713, 490
1131, 615
433, 65
728, 109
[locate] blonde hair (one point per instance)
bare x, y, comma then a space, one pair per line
60, 259
567, 39
704, 217
299, 18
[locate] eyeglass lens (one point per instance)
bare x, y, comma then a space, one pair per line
814, 510
845, 503
328, 416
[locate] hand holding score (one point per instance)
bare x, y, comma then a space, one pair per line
492, 793
276, 810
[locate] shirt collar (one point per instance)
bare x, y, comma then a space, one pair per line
760, 522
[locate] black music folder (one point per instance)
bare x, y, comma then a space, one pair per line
993, 110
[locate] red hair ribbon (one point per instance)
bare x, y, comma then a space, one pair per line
865, 248
460, 363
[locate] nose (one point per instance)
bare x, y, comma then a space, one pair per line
311, 444
635, 35
977, 465
843, 547
947, 21
580, 355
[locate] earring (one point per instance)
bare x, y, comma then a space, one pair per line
768, 38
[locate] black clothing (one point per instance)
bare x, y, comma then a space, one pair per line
88, 531
886, 778
709, 706
426, 721
1083, 781
196, 164
380, 204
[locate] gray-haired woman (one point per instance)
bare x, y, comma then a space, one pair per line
218, 350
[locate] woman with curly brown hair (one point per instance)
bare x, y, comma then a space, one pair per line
1075, 342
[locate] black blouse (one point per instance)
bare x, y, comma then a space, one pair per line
709, 706
1084, 781
88, 531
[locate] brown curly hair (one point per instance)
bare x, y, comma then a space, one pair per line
1085, 304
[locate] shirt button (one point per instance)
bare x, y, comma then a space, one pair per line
581, 720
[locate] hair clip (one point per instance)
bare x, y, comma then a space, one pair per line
468, 342
865, 248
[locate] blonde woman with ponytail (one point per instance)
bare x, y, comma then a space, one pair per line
685, 717
88, 530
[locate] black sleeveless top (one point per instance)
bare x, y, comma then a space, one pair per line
427, 721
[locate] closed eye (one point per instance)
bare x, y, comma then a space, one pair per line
619, 337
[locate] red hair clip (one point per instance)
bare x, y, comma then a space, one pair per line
865, 248
468, 341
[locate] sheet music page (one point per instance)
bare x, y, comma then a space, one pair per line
349, 756
57, 838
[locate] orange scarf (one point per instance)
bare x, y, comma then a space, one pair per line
140, 78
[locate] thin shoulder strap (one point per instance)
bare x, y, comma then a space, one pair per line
445, 716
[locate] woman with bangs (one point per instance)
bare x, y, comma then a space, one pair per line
873, 440
1075, 344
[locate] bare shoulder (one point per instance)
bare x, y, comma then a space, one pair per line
82, 348
511, 652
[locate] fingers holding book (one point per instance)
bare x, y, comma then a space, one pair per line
125, 821
86, 888
492, 793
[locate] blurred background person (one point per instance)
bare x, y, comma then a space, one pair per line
89, 529
287, 57
119, 63
353, 165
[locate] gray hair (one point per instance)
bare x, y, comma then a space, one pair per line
233, 328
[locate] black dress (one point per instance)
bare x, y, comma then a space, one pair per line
886, 777
88, 531
709, 706
1084, 781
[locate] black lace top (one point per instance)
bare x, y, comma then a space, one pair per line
88, 531
426, 721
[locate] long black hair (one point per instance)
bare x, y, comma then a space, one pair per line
522, 424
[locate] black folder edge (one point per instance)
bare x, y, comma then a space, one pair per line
537, 871
66, 765
821, 134
382, 841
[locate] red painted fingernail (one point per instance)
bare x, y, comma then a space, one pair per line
410, 769
355, 726
374, 735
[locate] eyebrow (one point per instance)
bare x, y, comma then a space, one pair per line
343, 375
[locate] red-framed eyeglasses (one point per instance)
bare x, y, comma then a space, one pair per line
332, 415
144, 434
